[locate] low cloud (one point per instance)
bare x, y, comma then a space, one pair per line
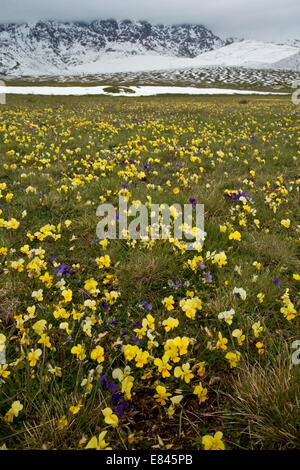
258, 19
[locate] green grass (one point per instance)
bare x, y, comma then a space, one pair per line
60, 157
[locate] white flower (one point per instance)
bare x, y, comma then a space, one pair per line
240, 291
238, 269
61, 284
227, 316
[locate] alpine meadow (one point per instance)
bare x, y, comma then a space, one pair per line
134, 344
125, 342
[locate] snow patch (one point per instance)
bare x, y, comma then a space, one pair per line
138, 91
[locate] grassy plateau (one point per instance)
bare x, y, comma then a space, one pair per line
142, 344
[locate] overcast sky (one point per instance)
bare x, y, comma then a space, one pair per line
254, 19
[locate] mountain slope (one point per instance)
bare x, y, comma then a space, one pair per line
290, 63
291, 42
247, 54
250, 54
51, 47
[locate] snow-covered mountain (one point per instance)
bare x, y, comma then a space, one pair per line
291, 42
290, 63
49, 47
247, 53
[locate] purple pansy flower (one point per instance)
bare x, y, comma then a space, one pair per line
116, 397
237, 196
193, 201
62, 270
104, 305
134, 339
277, 282
120, 408
107, 384
146, 305
208, 277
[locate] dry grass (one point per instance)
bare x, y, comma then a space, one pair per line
267, 399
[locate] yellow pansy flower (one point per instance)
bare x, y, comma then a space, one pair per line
213, 442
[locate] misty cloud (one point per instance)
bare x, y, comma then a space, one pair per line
258, 19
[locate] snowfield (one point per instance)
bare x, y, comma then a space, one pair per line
247, 54
111, 62
137, 91
290, 63
251, 54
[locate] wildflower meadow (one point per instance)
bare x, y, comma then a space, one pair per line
143, 344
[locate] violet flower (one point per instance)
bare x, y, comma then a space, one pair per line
146, 305
62, 270
120, 409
